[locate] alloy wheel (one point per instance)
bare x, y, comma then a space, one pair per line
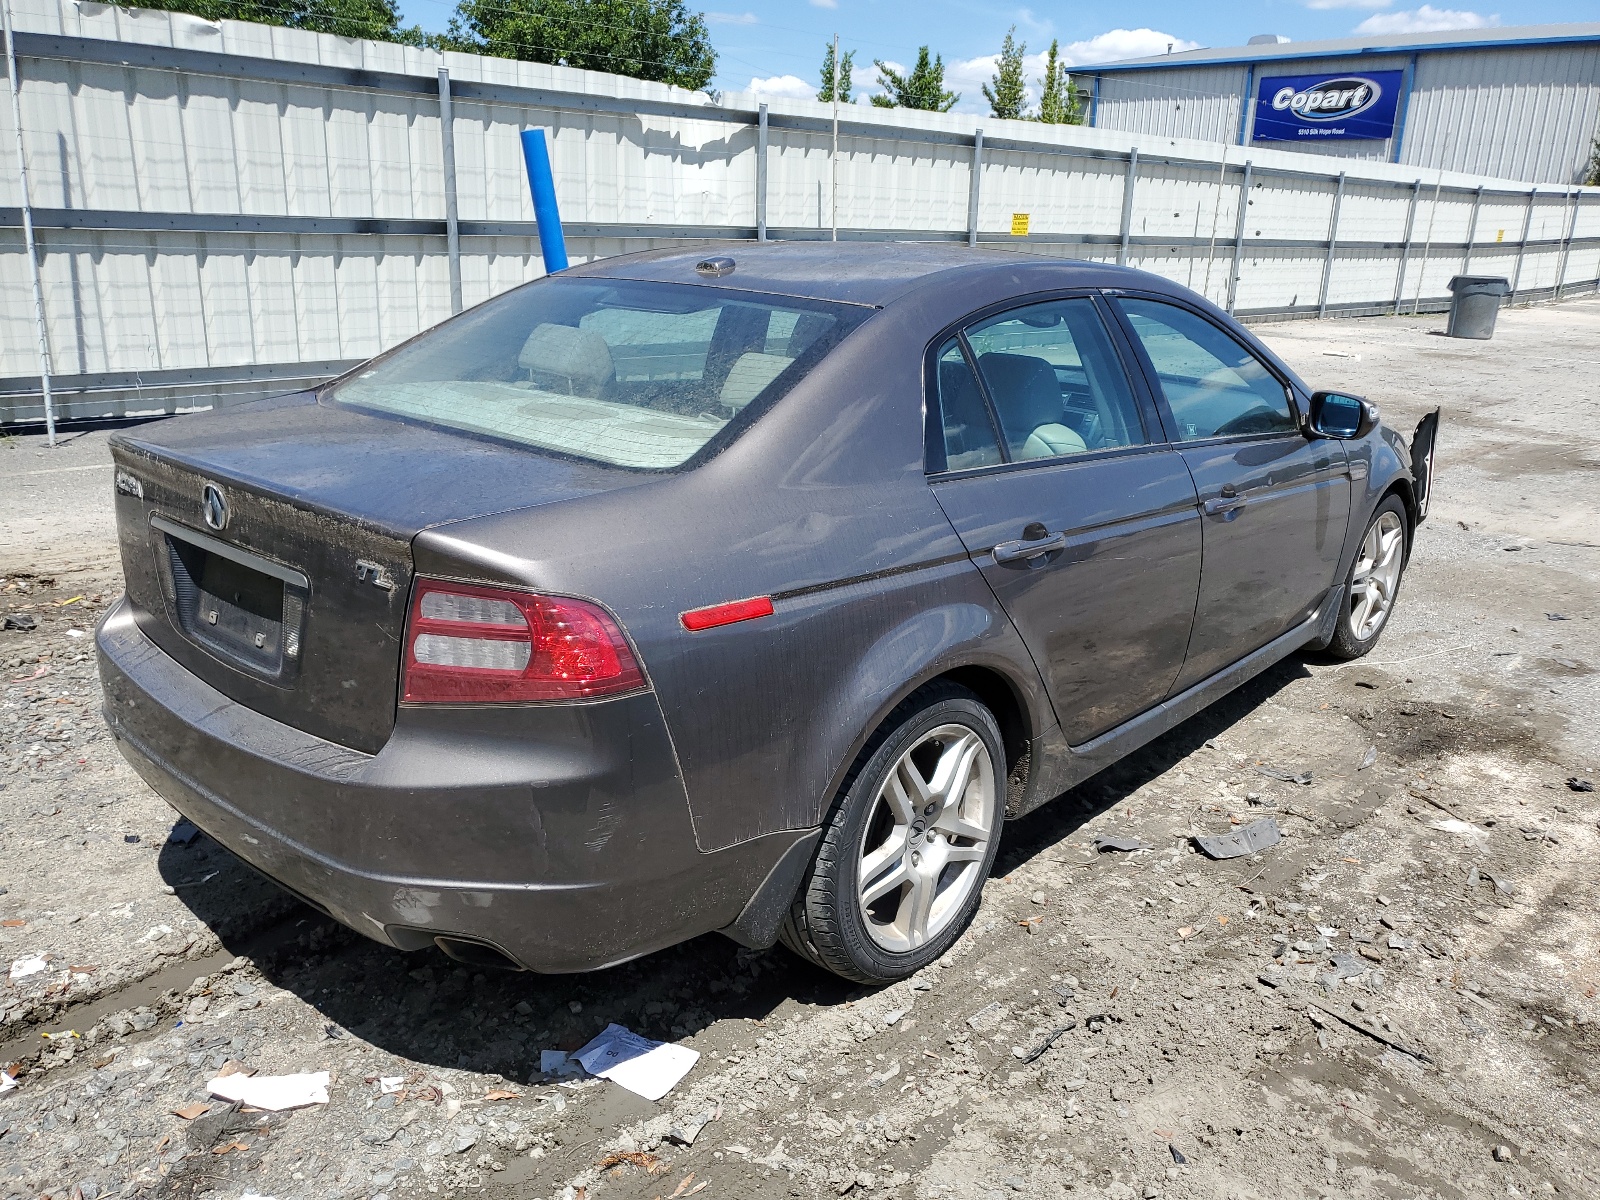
926, 839
1376, 576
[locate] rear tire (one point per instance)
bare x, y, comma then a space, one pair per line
1373, 584
900, 867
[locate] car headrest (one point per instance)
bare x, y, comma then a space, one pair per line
1025, 390
748, 376
576, 361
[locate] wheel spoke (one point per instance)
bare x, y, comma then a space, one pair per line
904, 791
918, 904
965, 853
952, 822
891, 872
954, 771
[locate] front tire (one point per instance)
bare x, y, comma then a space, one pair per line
899, 871
1374, 581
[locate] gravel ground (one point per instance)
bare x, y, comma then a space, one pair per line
1398, 1000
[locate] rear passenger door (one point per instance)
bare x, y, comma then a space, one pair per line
1274, 502
1053, 472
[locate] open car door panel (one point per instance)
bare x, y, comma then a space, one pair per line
1422, 444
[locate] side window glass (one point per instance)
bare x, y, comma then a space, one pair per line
1214, 386
1056, 381
969, 439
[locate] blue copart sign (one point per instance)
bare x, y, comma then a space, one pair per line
1301, 108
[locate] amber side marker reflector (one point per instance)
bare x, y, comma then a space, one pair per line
727, 614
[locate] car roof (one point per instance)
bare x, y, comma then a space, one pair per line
874, 273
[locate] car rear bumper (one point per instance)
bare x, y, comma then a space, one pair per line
558, 836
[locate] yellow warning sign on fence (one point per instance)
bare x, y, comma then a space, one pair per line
1019, 224
1501, 236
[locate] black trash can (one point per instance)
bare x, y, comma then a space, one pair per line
1474, 304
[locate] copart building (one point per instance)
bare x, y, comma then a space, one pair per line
1521, 103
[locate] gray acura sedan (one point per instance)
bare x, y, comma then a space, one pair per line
746, 590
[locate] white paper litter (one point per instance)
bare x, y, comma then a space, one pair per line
558, 1063
275, 1093
647, 1068
390, 1084
6, 1082
1464, 828
21, 968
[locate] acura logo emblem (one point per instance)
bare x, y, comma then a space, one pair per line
214, 506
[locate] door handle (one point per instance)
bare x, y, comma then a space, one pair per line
1224, 504
1006, 552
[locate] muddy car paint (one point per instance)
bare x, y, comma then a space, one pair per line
569, 836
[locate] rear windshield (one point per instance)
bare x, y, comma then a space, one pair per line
634, 374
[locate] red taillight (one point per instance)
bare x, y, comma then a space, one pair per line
479, 645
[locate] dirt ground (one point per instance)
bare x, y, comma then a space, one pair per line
1399, 1000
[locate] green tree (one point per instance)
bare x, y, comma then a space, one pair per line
1594, 166
1009, 96
1060, 102
377, 20
847, 62
660, 40
922, 87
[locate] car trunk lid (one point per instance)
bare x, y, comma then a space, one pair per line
268, 548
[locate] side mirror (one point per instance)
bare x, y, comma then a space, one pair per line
1336, 415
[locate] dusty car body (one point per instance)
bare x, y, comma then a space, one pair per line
1090, 590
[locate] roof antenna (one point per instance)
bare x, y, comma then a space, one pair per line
1169, 47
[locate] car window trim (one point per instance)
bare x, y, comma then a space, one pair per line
1060, 460
933, 430
1290, 393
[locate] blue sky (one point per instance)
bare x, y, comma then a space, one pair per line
779, 43
776, 46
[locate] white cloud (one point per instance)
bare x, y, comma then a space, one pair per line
721, 18
1426, 19
1122, 43
1323, 4
790, 87
824, 3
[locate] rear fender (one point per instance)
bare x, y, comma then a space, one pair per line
928, 644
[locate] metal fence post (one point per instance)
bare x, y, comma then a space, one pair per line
1238, 238
452, 226
1427, 245
1574, 197
761, 175
1127, 205
27, 232
1472, 229
1522, 246
973, 191
1405, 248
1333, 239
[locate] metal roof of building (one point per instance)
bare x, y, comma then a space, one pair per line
1394, 43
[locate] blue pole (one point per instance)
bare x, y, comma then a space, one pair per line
542, 182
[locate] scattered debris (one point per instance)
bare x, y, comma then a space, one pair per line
21, 622
1458, 826
650, 1164
1113, 841
1050, 1039
1375, 1035
1370, 757
274, 1093
1301, 777
21, 968
1247, 839
686, 1130
183, 833
1558, 616
190, 1111
647, 1068
1178, 1156
1579, 785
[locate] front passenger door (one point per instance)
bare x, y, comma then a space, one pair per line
1274, 503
